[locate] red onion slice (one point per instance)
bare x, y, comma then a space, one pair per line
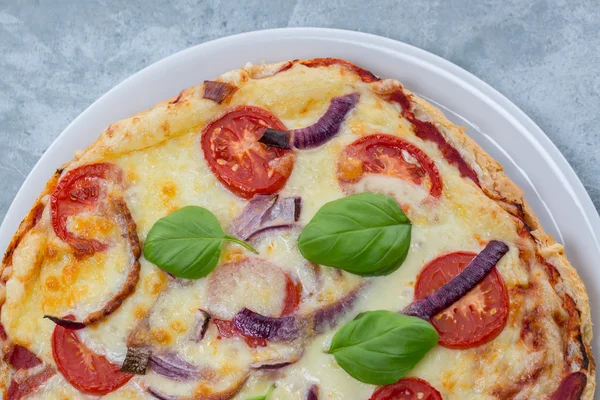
200, 327
326, 317
224, 394
250, 219
259, 326
66, 323
460, 285
318, 133
265, 212
160, 395
172, 366
217, 91
313, 393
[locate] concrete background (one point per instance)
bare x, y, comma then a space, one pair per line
57, 57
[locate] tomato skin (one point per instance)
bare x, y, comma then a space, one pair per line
475, 319
407, 389
293, 296
385, 154
78, 191
244, 165
85, 370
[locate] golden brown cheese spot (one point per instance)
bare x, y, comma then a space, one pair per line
161, 336
233, 254
166, 128
52, 283
169, 190
132, 176
70, 273
448, 382
91, 226
155, 282
52, 252
178, 326
350, 169
140, 312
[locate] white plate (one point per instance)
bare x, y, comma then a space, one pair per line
526, 153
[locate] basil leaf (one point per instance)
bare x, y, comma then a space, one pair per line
366, 234
380, 347
264, 397
187, 243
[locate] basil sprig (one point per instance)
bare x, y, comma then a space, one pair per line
380, 347
366, 234
187, 243
265, 396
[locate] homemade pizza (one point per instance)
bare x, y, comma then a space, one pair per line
300, 230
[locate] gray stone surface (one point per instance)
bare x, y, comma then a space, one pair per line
57, 57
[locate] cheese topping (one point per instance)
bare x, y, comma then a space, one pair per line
165, 176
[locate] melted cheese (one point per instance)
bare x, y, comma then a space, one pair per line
173, 174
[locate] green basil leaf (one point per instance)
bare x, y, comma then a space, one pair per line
187, 243
366, 234
380, 347
264, 397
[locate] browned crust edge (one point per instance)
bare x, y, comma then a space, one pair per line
494, 183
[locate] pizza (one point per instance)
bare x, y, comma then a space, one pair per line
298, 230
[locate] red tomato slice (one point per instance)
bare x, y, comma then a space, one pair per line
85, 370
293, 296
407, 389
389, 155
475, 319
78, 191
244, 165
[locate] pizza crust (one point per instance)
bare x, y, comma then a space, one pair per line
499, 187
188, 110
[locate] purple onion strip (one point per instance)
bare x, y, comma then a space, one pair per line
266, 212
327, 317
199, 330
250, 220
217, 91
66, 323
160, 395
460, 285
259, 326
318, 133
172, 366
313, 393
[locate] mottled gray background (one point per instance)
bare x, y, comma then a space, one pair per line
57, 57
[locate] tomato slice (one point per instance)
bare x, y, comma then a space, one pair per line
293, 296
392, 156
85, 370
79, 191
243, 164
407, 389
475, 319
